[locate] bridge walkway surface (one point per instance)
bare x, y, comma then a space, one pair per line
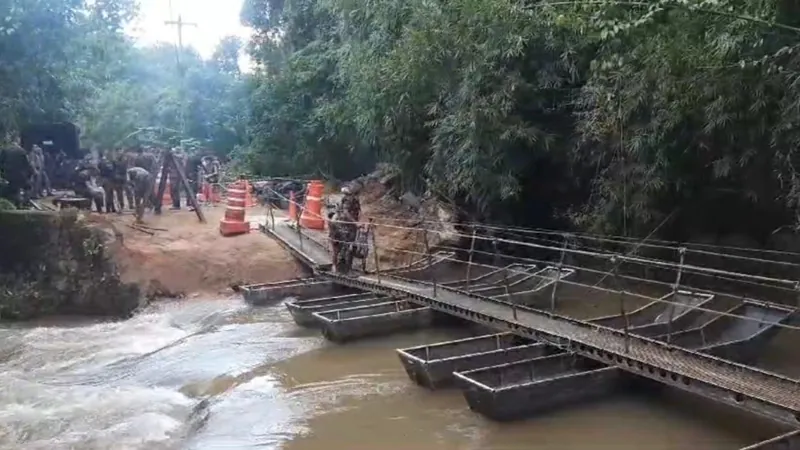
761, 392
302, 245
745, 387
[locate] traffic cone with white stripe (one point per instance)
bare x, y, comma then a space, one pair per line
312, 213
233, 223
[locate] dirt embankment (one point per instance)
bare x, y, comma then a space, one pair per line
400, 219
185, 257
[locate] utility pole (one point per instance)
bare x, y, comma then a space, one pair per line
179, 24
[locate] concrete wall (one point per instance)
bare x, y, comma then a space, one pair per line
52, 263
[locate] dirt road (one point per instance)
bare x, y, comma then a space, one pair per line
185, 257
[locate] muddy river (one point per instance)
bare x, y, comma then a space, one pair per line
218, 374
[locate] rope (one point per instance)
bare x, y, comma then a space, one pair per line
599, 255
633, 294
655, 243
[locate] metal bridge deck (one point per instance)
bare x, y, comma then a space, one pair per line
742, 386
745, 387
311, 252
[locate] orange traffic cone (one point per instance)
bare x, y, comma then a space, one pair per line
312, 214
233, 223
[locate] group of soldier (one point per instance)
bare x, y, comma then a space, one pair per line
108, 179
131, 176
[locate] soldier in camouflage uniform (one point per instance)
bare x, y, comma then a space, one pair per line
146, 160
106, 169
85, 184
141, 182
174, 179
119, 181
36, 158
16, 170
343, 229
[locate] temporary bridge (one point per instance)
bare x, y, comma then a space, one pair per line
752, 389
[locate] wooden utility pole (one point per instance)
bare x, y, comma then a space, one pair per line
179, 24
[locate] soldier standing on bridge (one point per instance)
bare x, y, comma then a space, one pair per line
343, 229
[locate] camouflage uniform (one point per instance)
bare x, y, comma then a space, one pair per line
36, 158
119, 182
16, 170
146, 161
85, 186
191, 169
106, 169
175, 181
141, 182
342, 231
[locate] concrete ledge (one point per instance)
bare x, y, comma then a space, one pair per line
302, 288
302, 311
522, 389
385, 318
432, 366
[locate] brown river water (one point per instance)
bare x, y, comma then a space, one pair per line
219, 374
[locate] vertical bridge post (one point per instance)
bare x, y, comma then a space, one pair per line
430, 259
675, 288
471, 253
558, 274
371, 230
621, 293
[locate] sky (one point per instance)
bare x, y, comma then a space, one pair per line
215, 19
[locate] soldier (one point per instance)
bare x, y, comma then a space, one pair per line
191, 168
119, 180
129, 160
141, 183
85, 184
350, 203
36, 158
212, 174
174, 180
48, 156
343, 230
146, 160
106, 169
16, 170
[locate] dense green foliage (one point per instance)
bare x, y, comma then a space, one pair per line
614, 115
70, 60
608, 115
